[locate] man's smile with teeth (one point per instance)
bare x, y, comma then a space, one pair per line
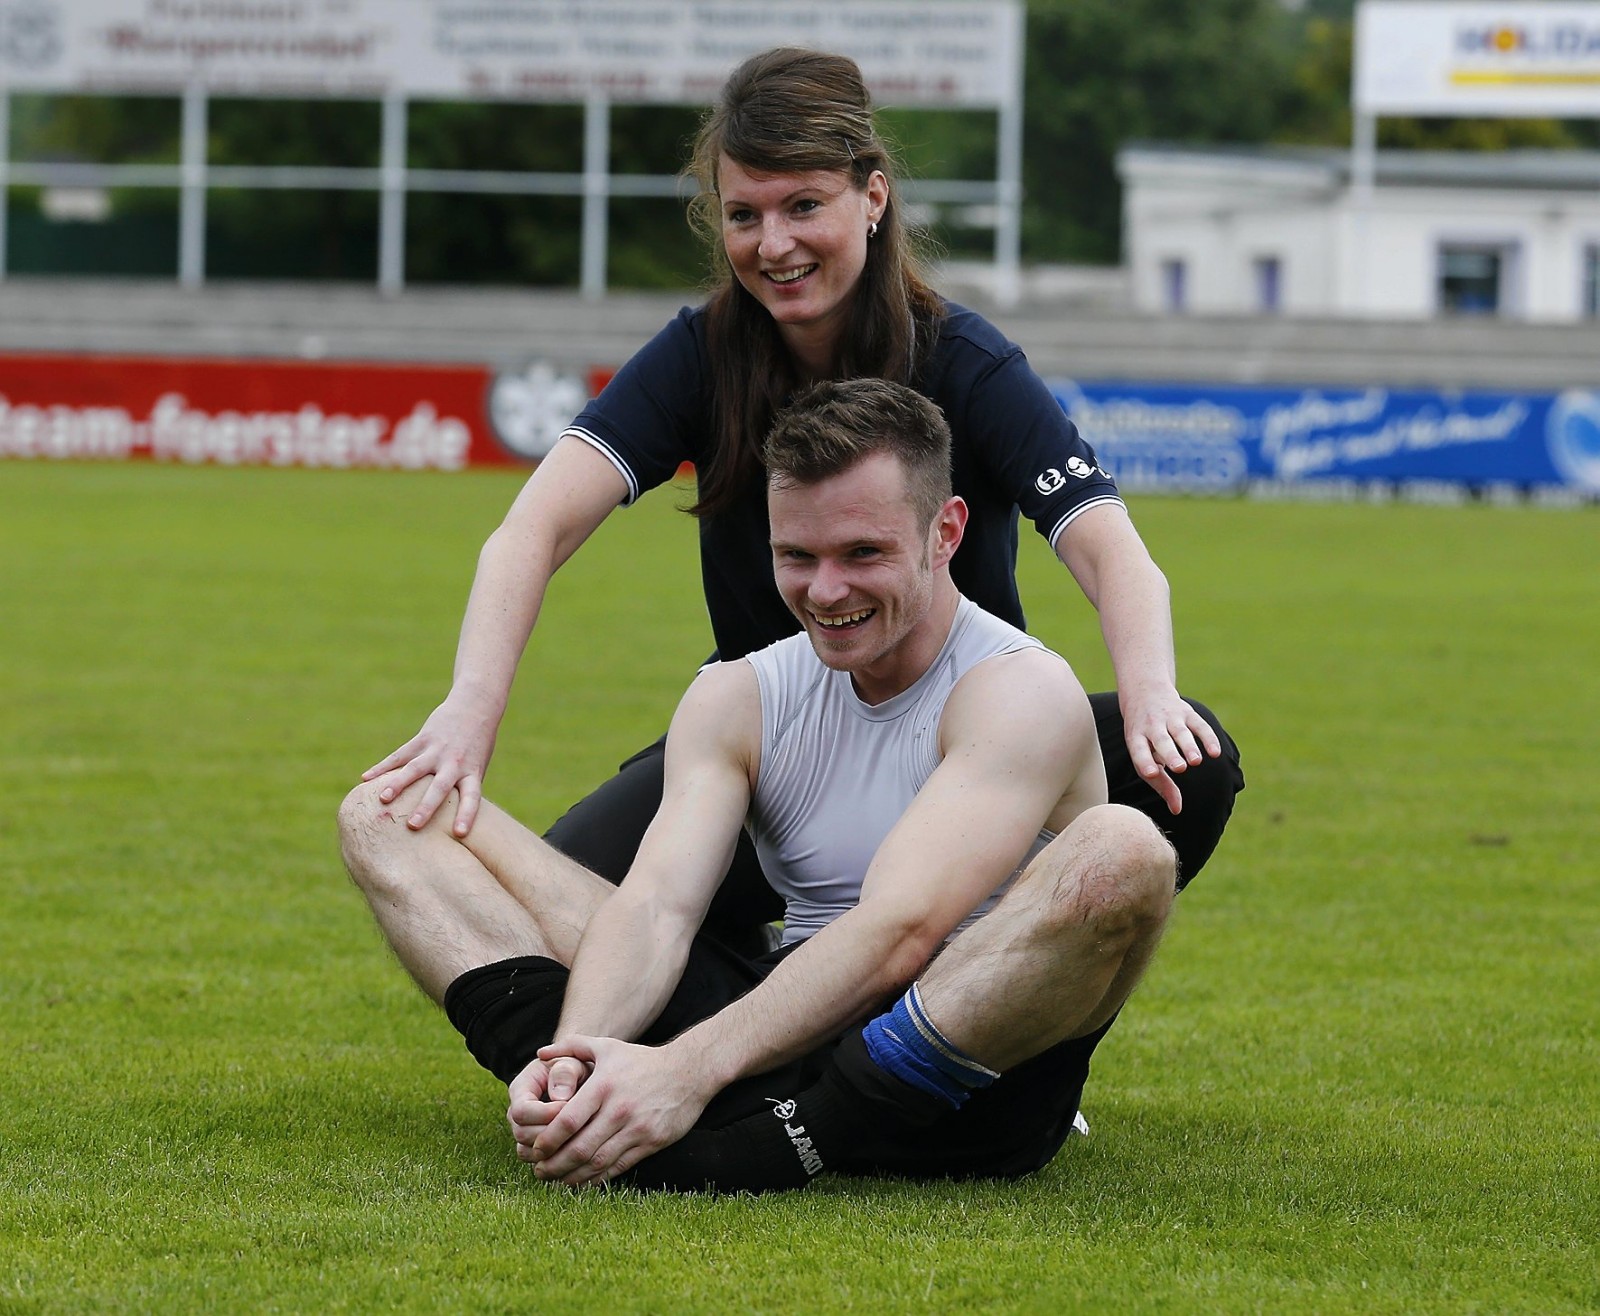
789, 276
847, 619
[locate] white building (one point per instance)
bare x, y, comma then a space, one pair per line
1229, 231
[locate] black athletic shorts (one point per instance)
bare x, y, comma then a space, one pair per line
507, 1010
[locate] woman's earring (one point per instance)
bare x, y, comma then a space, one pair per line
872, 229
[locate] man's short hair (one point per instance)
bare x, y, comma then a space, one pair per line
829, 427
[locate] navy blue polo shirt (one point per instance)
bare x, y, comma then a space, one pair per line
1013, 449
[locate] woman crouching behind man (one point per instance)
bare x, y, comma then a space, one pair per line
819, 279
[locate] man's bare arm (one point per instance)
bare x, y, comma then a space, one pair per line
633, 951
1020, 753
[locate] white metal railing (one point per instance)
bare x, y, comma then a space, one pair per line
392, 179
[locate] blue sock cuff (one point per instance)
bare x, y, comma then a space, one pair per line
905, 1043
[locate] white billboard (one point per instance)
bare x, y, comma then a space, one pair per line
1477, 59
960, 53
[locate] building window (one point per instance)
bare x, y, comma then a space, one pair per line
1472, 279
1591, 281
1269, 284
1175, 284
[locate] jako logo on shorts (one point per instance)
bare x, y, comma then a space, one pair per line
810, 1161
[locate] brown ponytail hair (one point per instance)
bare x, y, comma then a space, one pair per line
791, 110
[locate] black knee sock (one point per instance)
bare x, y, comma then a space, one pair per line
800, 1136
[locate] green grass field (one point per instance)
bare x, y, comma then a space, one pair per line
1364, 1075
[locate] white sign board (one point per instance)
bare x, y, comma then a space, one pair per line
1490, 60
959, 53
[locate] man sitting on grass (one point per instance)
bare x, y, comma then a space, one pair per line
925, 788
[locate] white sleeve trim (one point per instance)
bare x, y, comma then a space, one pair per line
1078, 511
611, 455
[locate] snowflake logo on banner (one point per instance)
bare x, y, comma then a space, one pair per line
1573, 437
530, 409
30, 35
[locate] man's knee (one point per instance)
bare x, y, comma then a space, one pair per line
372, 833
1116, 871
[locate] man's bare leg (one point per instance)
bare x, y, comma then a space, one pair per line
1063, 949
1055, 959
447, 905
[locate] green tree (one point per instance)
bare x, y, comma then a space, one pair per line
140, 236
1102, 73
1316, 108
469, 238
309, 233
96, 129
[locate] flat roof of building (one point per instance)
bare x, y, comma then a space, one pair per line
1523, 169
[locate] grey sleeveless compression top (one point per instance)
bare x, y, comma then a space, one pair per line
837, 773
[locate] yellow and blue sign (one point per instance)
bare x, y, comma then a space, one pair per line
1478, 57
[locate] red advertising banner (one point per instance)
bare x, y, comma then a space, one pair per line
283, 413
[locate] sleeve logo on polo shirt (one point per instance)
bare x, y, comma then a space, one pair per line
1052, 481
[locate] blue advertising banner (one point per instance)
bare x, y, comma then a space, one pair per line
1206, 438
